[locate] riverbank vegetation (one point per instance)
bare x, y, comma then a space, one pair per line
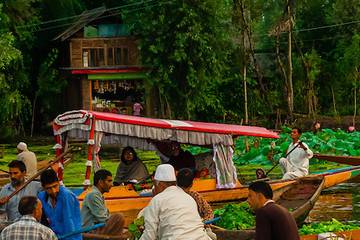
244, 61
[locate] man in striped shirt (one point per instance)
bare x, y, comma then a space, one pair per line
28, 227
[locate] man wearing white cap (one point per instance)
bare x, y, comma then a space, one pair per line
171, 214
28, 157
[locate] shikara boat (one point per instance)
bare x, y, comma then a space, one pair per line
98, 128
348, 235
349, 160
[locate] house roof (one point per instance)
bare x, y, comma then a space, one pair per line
85, 18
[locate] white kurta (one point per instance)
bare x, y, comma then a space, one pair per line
296, 164
173, 215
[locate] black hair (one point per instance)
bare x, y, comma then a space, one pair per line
299, 130
27, 205
48, 176
17, 164
185, 177
101, 174
130, 149
262, 187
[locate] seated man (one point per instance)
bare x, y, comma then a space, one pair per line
17, 173
181, 159
27, 157
296, 163
28, 226
60, 206
131, 168
184, 180
94, 211
273, 222
171, 213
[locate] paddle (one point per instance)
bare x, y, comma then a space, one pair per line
82, 230
212, 220
37, 174
260, 173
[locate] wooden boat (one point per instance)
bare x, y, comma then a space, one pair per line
349, 160
348, 235
103, 128
299, 197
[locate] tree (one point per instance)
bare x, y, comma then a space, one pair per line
349, 66
187, 44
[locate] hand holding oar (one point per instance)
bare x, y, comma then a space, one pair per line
260, 173
7, 198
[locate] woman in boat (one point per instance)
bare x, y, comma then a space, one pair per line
185, 180
131, 168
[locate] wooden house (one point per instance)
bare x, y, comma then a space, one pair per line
102, 63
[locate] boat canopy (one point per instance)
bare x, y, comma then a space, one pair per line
139, 132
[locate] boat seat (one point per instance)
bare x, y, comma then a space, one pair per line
115, 192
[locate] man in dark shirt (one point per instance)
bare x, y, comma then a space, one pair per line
181, 159
273, 222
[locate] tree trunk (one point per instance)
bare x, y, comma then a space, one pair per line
334, 101
245, 95
355, 104
33, 115
289, 72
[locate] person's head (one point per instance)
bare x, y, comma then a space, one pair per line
17, 172
128, 155
259, 193
184, 178
296, 133
30, 205
103, 180
21, 147
50, 182
164, 178
175, 149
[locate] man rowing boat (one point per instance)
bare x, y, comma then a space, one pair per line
296, 163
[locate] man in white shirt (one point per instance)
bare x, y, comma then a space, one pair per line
296, 163
27, 157
172, 214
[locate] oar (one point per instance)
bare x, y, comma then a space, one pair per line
38, 174
260, 173
82, 230
212, 220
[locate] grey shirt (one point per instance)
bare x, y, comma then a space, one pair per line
93, 209
11, 207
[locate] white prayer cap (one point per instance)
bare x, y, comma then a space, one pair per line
22, 146
165, 173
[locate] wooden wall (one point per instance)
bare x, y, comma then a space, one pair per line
78, 44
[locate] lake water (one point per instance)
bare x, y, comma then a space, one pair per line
341, 202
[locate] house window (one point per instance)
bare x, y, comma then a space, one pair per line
93, 57
118, 56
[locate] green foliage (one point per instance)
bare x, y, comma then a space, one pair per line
264, 151
235, 216
329, 226
136, 228
187, 43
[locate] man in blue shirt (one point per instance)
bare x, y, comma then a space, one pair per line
60, 206
17, 172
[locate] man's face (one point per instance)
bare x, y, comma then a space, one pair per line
52, 189
175, 148
38, 211
295, 134
16, 176
253, 200
106, 184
